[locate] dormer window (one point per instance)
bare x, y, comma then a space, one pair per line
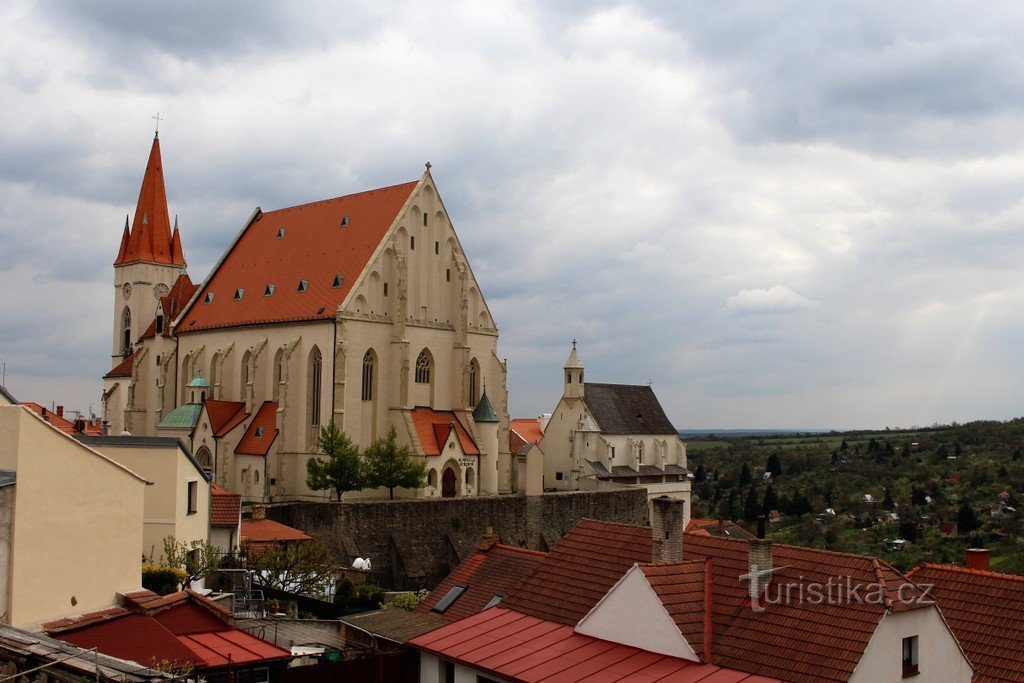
344, 222
239, 293
209, 298
280, 233
303, 285
259, 432
269, 290
338, 281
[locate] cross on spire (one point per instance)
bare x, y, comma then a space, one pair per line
158, 120
574, 343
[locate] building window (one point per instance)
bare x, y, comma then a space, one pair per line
126, 332
449, 598
559, 476
209, 298
412, 242
474, 381
910, 656
315, 367
447, 672
344, 222
303, 285
269, 290
338, 281
613, 452
239, 293
192, 493
448, 275
280, 233
259, 432
568, 378
424, 218
159, 324
423, 368
369, 361
385, 289
437, 248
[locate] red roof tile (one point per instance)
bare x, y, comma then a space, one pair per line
263, 531
490, 571
523, 431
314, 247
225, 507
524, 648
124, 368
224, 415
579, 570
174, 303
150, 236
79, 620
266, 418
985, 611
718, 527
433, 428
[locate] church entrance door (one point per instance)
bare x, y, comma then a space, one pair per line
448, 480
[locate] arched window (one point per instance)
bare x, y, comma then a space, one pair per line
432, 478
474, 382
369, 363
204, 459
423, 368
126, 332
315, 373
640, 452
278, 372
244, 374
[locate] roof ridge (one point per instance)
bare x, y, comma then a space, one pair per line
880, 578
964, 570
824, 551
344, 196
524, 551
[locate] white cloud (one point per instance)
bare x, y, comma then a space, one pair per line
774, 299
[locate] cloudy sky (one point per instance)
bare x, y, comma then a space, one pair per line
783, 214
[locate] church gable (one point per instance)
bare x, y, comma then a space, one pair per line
295, 264
419, 272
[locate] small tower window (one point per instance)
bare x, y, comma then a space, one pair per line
412, 242
303, 285
448, 275
344, 222
159, 324
280, 233
385, 289
209, 298
568, 378
437, 247
338, 281
238, 294
269, 290
424, 218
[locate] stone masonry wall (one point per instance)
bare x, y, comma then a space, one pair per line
416, 543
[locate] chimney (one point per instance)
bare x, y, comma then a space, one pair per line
977, 558
259, 512
105, 428
667, 529
760, 558
60, 411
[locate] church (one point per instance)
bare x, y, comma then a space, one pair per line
360, 309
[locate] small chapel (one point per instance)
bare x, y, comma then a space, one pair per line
361, 309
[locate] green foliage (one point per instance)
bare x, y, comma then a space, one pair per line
305, 567
966, 519
409, 601
774, 465
340, 469
196, 558
389, 466
364, 596
162, 580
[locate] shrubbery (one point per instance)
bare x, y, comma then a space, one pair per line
162, 580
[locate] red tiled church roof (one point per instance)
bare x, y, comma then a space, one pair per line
524, 648
491, 570
176, 300
579, 570
150, 236
433, 428
266, 417
224, 415
985, 611
314, 247
124, 368
225, 507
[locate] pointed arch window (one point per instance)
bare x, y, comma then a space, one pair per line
474, 382
423, 368
126, 332
315, 373
369, 366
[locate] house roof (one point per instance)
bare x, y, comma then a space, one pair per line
985, 611
256, 441
719, 527
397, 625
8, 478
263, 531
89, 427
433, 428
176, 300
162, 442
225, 507
626, 409
523, 431
150, 237
311, 242
224, 415
821, 641
178, 628
579, 570
492, 570
626, 472
6, 395
183, 417
524, 648
124, 368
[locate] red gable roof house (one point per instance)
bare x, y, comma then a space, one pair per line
178, 630
362, 309
985, 610
774, 612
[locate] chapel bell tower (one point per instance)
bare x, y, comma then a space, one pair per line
573, 378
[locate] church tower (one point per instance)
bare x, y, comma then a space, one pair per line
148, 262
573, 380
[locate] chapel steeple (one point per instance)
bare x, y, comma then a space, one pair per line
573, 382
150, 237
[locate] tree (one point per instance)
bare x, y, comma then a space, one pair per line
198, 558
390, 466
771, 501
342, 470
305, 567
751, 507
745, 475
966, 519
774, 465
887, 502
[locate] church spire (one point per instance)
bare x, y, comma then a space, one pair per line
125, 236
150, 237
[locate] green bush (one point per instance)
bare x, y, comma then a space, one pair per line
362, 596
162, 580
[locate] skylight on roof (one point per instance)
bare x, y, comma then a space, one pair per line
259, 432
269, 290
209, 298
303, 285
494, 601
280, 233
344, 222
239, 293
450, 597
338, 281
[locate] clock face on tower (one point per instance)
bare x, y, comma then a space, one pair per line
160, 290
126, 290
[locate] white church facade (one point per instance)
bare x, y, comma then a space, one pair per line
361, 309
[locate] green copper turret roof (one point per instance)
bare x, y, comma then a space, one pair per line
484, 412
182, 417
